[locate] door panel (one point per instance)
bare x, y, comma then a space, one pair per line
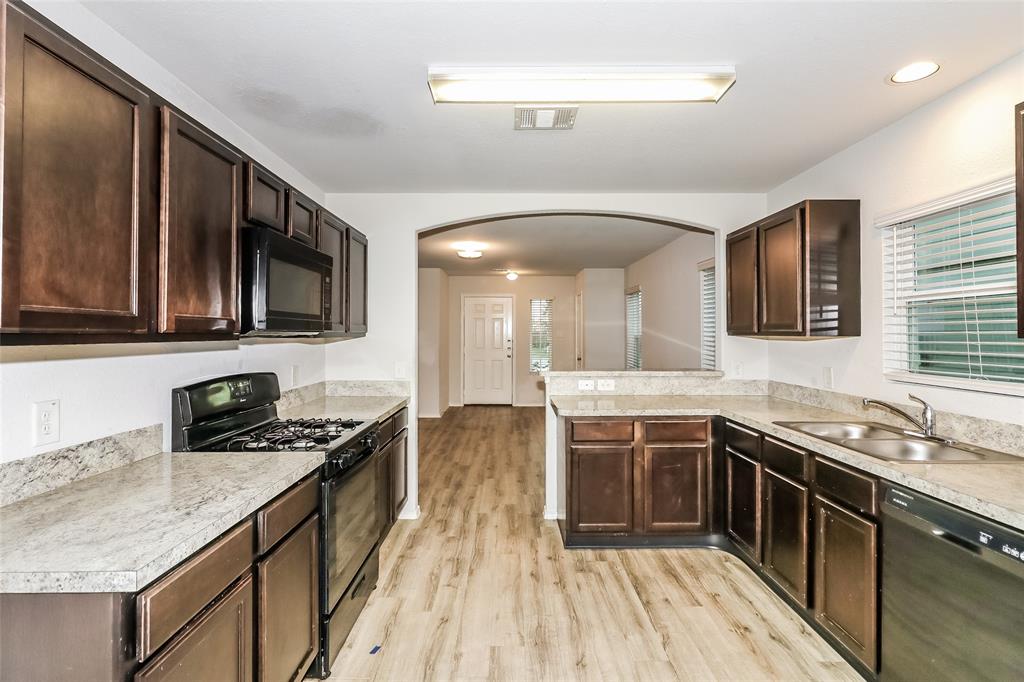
331, 240
781, 271
201, 184
602, 489
78, 221
357, 271
301, 217
846, 578
675, 490
265, 198
399, 464
743, 503
487, 348
786, 511
741, 282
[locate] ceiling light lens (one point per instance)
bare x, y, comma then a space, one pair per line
914, 72
469, 254
512, 276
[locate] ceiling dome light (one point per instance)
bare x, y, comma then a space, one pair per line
511, 275
469, 254
469, 249
914, 72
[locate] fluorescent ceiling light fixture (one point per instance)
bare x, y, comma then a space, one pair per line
914, 72
465, 253
469, 249
511, 276
559, 85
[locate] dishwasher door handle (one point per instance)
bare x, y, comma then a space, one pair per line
957, 540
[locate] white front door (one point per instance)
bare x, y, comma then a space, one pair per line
487, 344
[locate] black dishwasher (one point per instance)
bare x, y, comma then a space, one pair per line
952, 593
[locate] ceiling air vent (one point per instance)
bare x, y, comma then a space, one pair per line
545, 116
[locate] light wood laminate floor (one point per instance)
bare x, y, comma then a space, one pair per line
480, 586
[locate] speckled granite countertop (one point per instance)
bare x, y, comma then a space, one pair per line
120, 530
991, 489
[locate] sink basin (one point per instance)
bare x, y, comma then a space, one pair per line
843, 430
890, 443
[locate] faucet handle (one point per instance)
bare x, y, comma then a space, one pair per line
927, 415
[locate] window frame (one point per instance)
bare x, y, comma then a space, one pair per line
551, 335
638, 292
886, 224
702, 268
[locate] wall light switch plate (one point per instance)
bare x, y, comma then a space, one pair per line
828, 377
606, 384
45, 422
585, 385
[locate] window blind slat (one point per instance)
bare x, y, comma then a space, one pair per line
634, 329
708, 321
950, 294
540, 335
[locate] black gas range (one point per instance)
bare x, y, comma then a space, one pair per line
238, 413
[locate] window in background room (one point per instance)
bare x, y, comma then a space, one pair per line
950, 296
708, 315
540, 335
634, 328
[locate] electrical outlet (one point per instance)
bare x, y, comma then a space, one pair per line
295, 376
585, 385
45, 422
606, 384
828, 377
737, 369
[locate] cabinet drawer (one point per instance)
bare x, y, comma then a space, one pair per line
218, 646
166, 606
278, 518
743, 440
401, 419
785, 459
846, 485
590, 431
676, 430
386, 431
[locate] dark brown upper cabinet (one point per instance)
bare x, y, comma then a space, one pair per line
302, 213
796, 274
332, 240
79, 213
741, 284
201, 182
1019, 158
266, 198
357, 271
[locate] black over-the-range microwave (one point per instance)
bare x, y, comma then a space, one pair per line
286, 285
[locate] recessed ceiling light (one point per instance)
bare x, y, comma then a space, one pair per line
551, 85
511, 275
914, 72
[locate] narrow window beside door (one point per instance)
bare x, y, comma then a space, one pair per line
540, 335
950, 297
634, 328
708, 316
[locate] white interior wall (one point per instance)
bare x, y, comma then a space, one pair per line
113, 388
671, 293
961, 140
432, 302
604, 317
529, 388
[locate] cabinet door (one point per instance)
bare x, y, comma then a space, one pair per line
781, 275
265, 198
356, 273
675, 490
78, 219
384, 508
331, 240
846, 578
743, 503
288, 626
601, 489
399, 462
741, 282
786, 509
217, 646
302, 212
1019, 158
201, 179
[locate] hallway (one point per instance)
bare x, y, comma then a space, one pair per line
480, 586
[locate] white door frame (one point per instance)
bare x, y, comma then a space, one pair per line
462, 343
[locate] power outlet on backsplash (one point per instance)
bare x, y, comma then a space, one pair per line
828, 378
606, 384
45, 422
585, 385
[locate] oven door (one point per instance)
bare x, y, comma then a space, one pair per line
350, 528
286, 285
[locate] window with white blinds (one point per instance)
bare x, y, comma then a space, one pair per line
540, 335
950, 297
634, 329
708, 317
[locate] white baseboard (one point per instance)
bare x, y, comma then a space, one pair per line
529, 405
549, 516
409, 515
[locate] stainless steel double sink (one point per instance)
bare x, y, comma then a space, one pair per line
893, 444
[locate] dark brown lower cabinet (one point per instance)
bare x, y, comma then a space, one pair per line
384, 490
846, 578
675, 492
743, 503
601, 489
217, 646
288, 620
399, 473
785, 542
